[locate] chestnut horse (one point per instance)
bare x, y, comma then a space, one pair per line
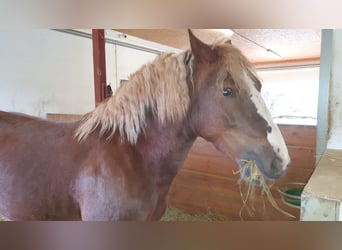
118, 161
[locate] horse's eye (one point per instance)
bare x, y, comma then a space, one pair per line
228, 92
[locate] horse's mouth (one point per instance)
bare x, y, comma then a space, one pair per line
250, 172
252, 167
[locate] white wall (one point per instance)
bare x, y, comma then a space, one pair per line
47, 71
282, 90
121, 62
335, 98
129, 61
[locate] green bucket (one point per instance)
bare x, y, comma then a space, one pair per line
291, 192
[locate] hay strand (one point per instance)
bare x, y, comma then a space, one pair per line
254, 179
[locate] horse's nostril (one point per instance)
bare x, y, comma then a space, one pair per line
277, 165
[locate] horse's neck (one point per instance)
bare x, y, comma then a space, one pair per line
165, 147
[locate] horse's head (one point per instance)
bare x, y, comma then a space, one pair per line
227, 108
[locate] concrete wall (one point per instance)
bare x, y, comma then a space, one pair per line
335, 98
323, 95
321, 199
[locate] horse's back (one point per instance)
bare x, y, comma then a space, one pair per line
47, 174
10, 119
33, 161
19, 130
17, 123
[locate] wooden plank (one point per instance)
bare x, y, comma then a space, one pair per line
99, 56
302, 157
221, 182
187, 199
296, 175
198, 196
293, 173
195, 203
299, 135
198, 193
199, 204
208, 183
62, 117
209, 164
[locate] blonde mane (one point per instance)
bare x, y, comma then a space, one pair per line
160, 86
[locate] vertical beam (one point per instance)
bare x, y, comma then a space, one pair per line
323, 96
99, 60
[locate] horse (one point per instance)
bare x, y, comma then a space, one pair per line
118, 161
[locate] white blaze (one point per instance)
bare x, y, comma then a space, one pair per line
274, 137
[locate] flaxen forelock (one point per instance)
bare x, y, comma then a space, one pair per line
238, 65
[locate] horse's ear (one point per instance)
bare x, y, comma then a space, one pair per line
201, 51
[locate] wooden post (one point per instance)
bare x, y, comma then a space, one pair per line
99, 56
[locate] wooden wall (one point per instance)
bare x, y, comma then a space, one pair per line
62, 117
206, 181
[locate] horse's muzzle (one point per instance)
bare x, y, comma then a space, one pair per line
277, 168
271, 167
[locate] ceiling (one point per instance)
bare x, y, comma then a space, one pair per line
288, 46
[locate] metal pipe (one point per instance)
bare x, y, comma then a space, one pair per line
110, 40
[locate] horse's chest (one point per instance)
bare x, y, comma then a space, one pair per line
114, 198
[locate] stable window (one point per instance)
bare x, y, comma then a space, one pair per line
291, 94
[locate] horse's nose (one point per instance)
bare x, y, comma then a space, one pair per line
277, 167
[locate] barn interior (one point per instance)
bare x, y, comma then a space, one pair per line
293, 64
